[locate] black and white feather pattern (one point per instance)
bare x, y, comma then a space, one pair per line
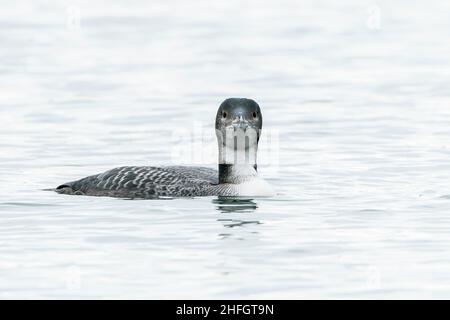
147, 182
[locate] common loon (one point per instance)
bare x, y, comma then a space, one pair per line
238, 128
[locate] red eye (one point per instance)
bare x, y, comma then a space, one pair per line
224, 115
254, 114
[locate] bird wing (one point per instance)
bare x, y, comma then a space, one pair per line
144, 182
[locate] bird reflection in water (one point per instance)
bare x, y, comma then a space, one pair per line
235, 204
232, 205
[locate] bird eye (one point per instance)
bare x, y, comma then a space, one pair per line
254, 114
224, 115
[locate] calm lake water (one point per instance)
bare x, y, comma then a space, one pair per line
356, 141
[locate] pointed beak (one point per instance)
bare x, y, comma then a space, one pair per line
240, 123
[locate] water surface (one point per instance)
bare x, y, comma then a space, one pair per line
356, 98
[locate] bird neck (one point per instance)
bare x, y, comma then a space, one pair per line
237, 165
236, 173
237, 155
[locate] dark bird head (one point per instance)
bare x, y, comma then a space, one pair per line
239, 113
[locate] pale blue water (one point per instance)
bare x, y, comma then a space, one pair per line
356, 95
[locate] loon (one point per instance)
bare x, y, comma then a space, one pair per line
238, 127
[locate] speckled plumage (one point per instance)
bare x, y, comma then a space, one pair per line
146, 182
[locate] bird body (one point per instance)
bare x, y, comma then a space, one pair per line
238, 127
